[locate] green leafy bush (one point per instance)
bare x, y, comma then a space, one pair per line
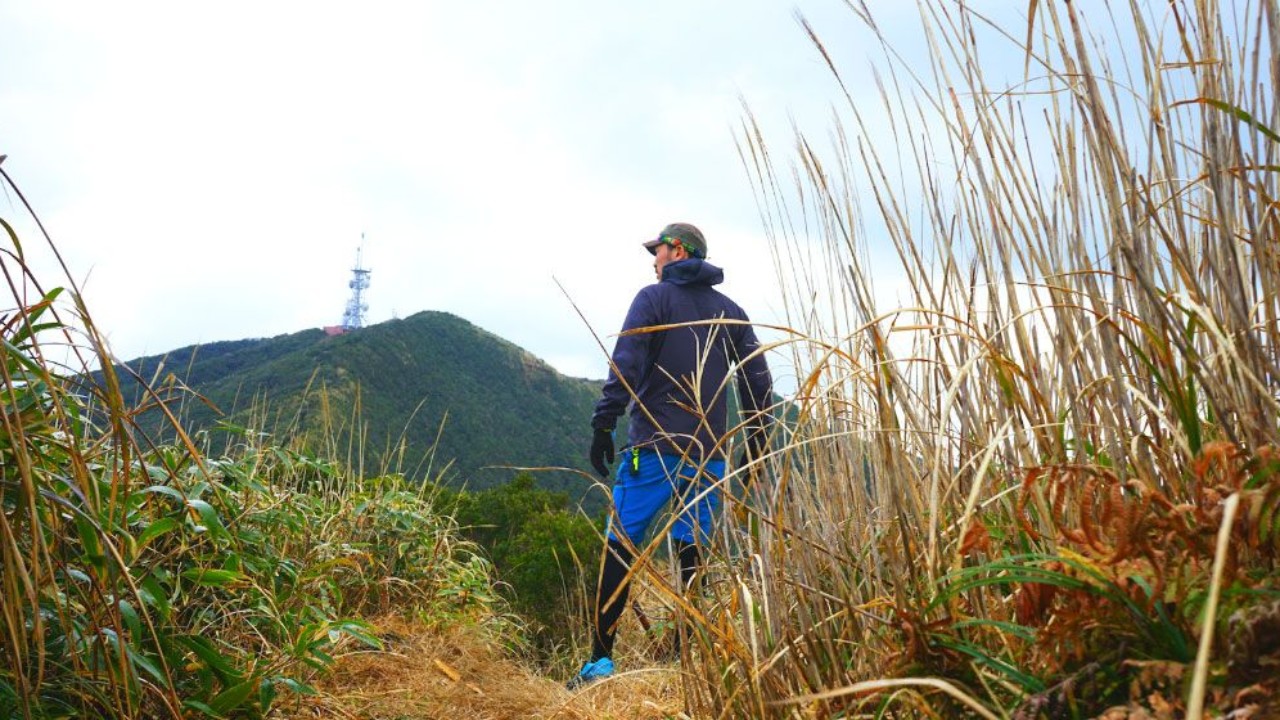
542, 549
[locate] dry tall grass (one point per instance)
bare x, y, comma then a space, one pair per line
1005, 492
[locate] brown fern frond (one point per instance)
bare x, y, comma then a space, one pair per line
1088, 509
1160, 498
1032, 602
1075, 535
976, 538
1220, 455
1020, 508
1158, 559
1058, 487
1118, 520
1136, 532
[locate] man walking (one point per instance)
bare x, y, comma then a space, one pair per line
674, 382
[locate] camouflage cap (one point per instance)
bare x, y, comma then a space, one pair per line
680, 235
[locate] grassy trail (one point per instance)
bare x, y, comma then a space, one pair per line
426, 672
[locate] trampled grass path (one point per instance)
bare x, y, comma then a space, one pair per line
453, 672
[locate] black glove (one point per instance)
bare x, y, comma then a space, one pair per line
602, 451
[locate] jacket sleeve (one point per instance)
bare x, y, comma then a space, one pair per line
629, 355
755, 383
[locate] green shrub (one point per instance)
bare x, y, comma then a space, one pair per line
538, 545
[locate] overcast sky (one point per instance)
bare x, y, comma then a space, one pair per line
208, 171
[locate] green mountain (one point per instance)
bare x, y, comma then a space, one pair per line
428, 379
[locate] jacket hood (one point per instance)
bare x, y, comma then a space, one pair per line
693, 271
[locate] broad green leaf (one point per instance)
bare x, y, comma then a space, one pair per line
1026, 681
166, 490
209, 577
155, 529
1019, 631
299, 687
20, 356
233, 697
356, 629
78, 575
1007, 571
203, 648
147, 665
266, 693
90, 542
202, 707
208, 517
130, 616
152, 594
29, 328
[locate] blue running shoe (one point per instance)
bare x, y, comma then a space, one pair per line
591, 672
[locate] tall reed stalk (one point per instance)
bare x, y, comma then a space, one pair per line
1004, 486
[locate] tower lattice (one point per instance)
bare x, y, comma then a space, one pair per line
353, 317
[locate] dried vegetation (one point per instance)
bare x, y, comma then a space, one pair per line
1043, 481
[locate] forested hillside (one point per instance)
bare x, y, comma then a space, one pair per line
409, 383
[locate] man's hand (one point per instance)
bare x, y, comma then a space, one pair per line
602, 452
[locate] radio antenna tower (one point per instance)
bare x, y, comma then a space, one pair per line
353, 318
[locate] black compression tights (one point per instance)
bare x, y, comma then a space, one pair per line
617, 560
613, 580
689, 561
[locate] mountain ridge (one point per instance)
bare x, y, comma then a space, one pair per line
431, 378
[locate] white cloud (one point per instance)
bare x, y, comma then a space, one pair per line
211, 169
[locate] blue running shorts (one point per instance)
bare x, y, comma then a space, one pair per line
646, 481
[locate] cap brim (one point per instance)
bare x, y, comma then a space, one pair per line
652, 246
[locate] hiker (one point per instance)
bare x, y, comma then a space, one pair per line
676, 431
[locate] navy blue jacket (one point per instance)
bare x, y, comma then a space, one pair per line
679, 374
